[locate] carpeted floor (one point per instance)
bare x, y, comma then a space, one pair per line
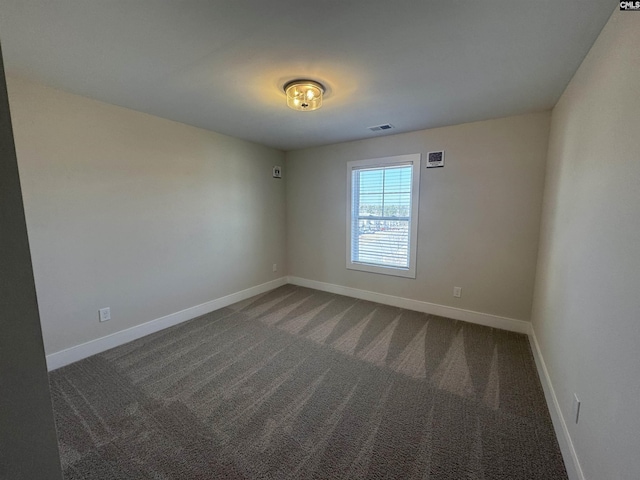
302, 384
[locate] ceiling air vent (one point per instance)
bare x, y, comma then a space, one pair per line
378, 128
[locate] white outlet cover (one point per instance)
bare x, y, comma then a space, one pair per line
277, 172
104, 314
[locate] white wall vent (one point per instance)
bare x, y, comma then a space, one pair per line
385, 126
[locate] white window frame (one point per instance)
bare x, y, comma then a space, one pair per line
411, 159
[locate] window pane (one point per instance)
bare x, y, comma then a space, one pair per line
383, 242
381, 192
371, 181
397, 204
371, 204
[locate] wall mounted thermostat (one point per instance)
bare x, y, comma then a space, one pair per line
435, 159
277, 172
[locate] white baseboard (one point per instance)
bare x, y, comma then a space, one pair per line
504, 323
571, 462
84, 350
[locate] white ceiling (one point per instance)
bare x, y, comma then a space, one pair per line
220, 64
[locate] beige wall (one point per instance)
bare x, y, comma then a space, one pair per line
587, 302
138, 213
478, 220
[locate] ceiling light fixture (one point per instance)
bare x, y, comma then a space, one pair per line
304, 95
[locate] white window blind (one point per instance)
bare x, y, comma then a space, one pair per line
381, 223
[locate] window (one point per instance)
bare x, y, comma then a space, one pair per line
382, 220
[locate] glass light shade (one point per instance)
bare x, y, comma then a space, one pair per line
304, 95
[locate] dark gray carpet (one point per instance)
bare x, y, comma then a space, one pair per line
302, 384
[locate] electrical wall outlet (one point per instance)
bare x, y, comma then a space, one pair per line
576, 407
457, 292
277, 172
275, 267
104, 314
